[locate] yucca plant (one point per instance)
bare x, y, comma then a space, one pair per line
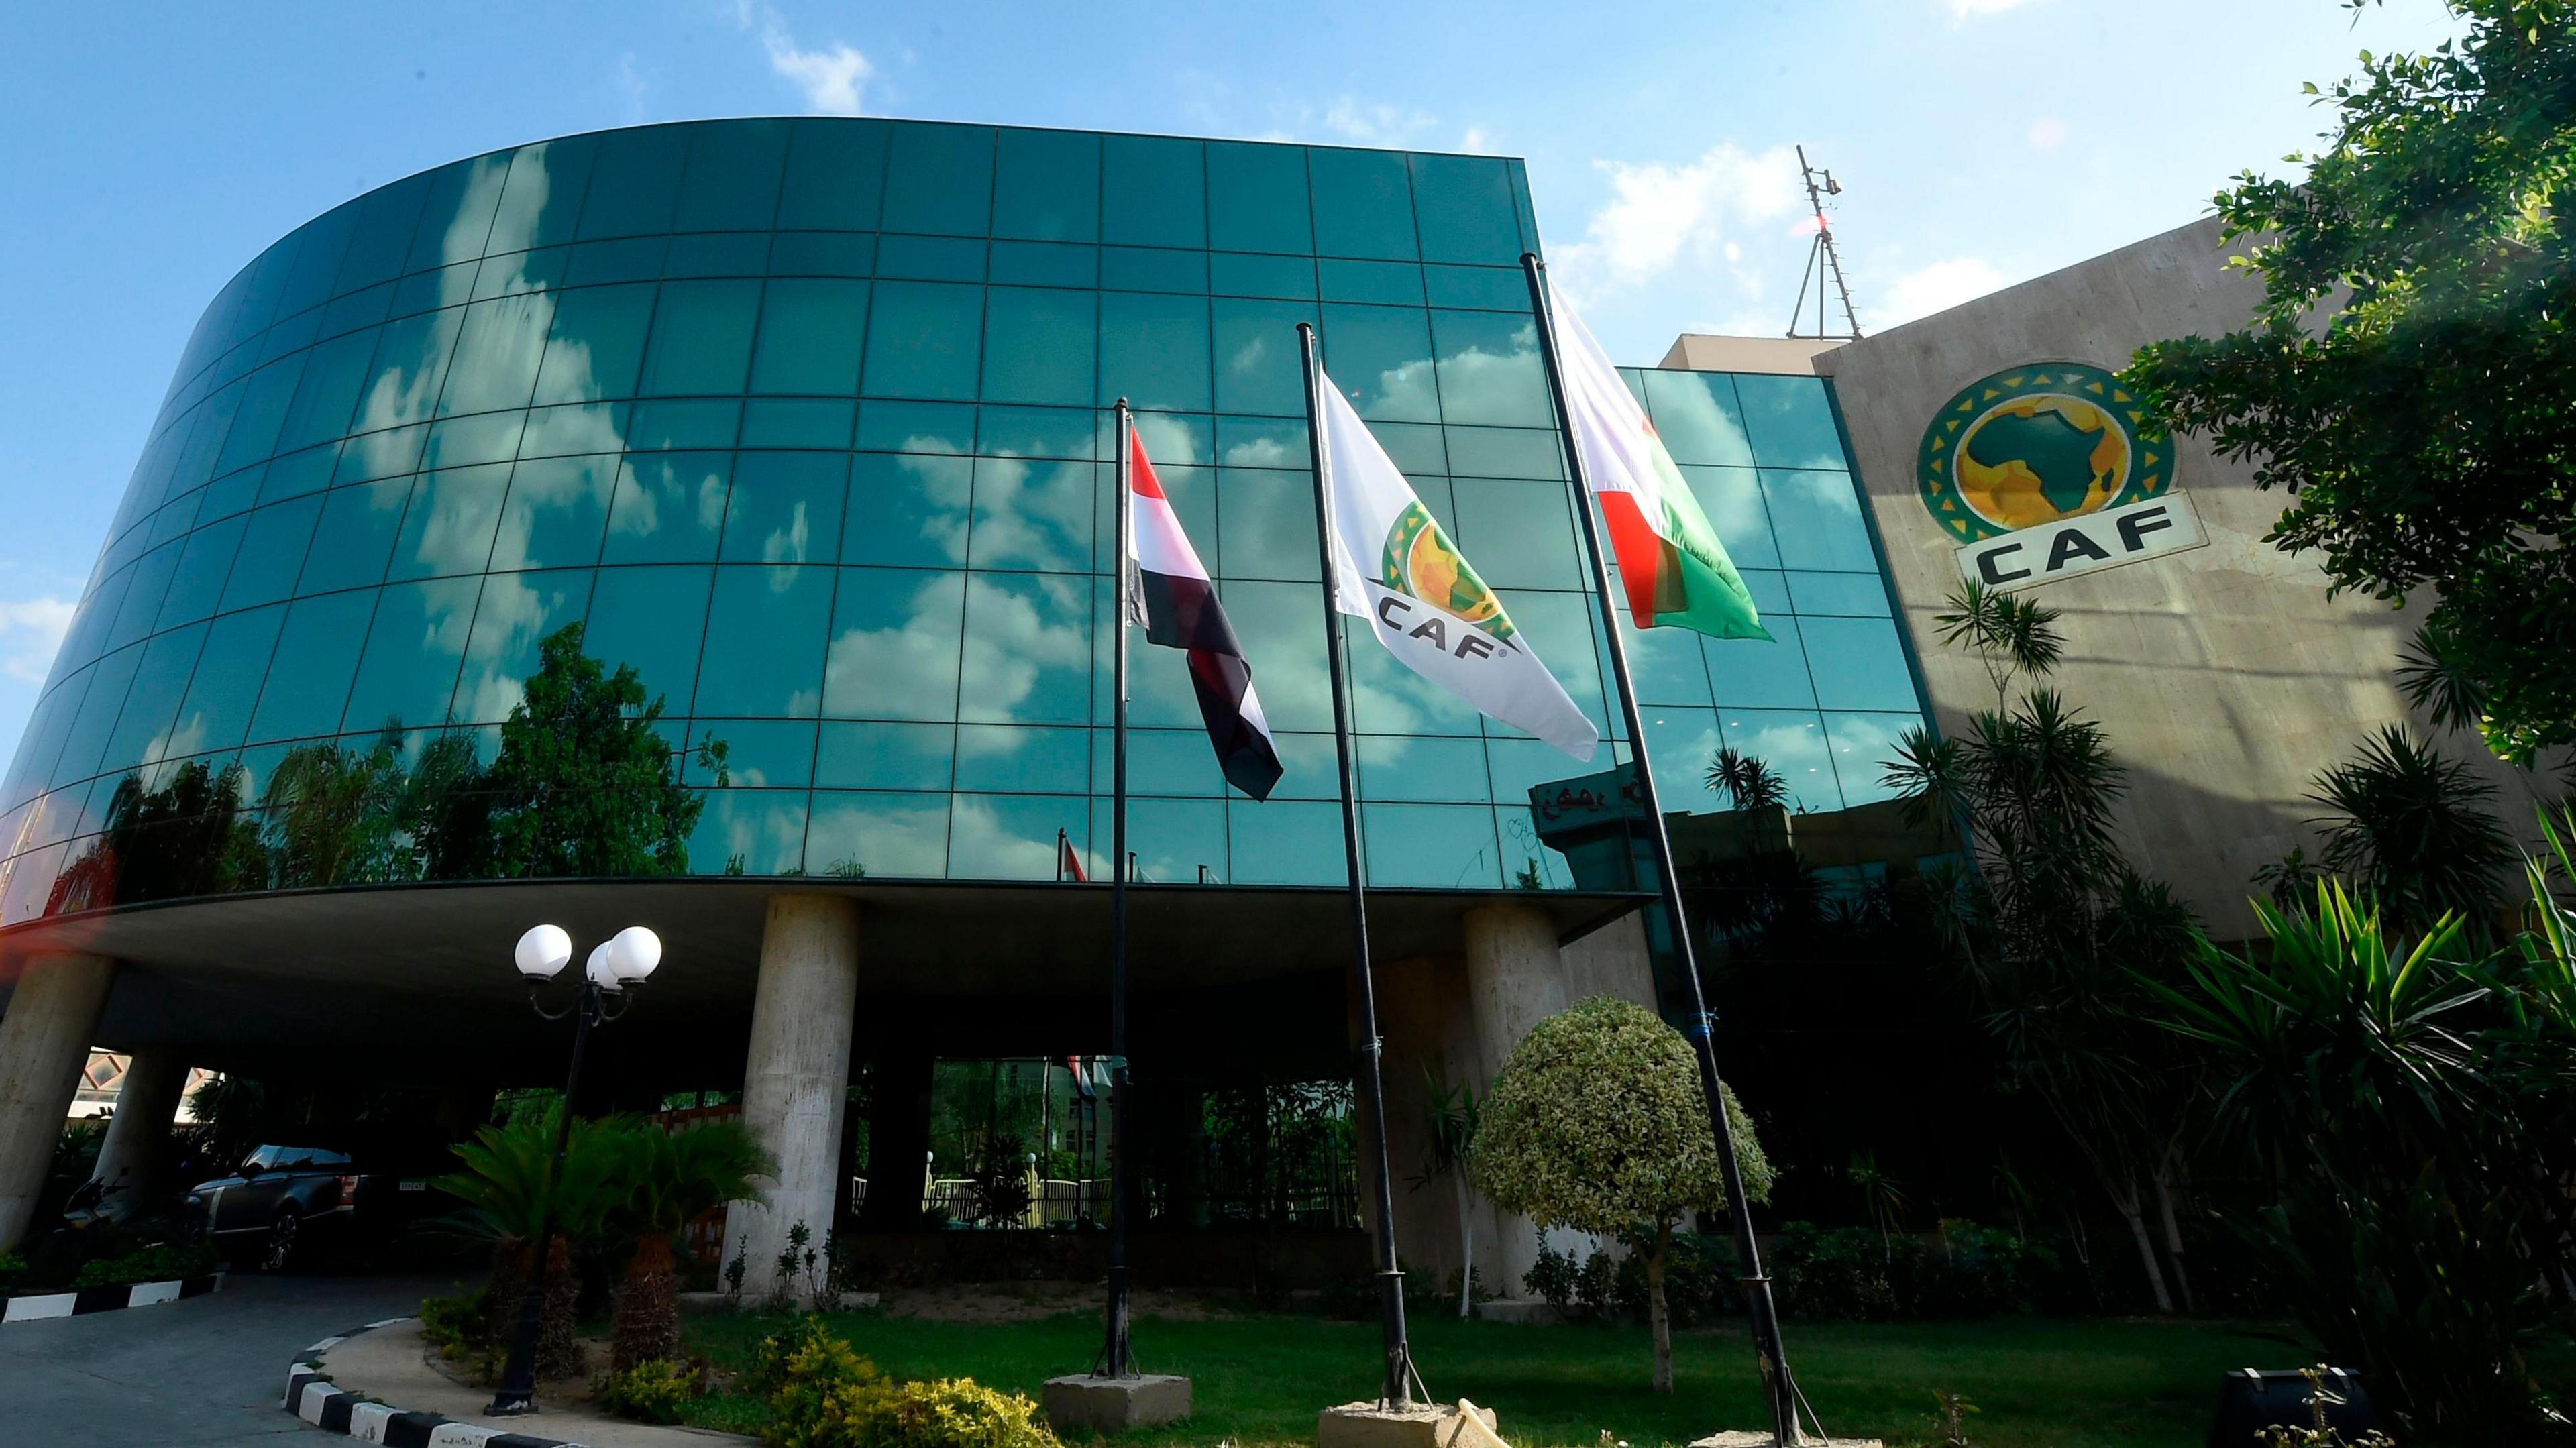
669, 1179
508, 1187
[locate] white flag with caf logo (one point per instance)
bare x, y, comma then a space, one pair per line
1394, 567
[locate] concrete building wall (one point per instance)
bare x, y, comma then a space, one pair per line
2225, 675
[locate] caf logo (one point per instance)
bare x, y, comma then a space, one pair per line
1420, 562
2038, 444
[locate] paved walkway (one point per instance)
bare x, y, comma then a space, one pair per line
205, 1371
390, 1366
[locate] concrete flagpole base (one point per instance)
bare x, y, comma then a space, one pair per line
1111, 1405
1416, 1425
1750, 1438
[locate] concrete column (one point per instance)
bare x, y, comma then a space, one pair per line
136, 1154
44, 1043
1515, 979
797, 1079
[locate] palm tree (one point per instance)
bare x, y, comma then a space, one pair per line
2412, 827
509, 1187
1880, 1196
671, 1179
2008, 635
1449, 1116
1746, 781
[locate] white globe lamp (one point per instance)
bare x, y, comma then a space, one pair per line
543, 952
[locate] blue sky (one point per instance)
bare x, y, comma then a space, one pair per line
147, 151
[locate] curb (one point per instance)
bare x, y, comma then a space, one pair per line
82, 1301
311, 1396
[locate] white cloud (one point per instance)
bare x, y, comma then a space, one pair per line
1477, 140
1376, 125
1963, 11
2046, 133
1934, 288
833, 79
30, 631
1660, 215
632, 84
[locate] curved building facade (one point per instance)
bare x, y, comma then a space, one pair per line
806, 422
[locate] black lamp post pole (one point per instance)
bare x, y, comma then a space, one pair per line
518, 1392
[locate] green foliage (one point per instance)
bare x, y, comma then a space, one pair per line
2407, 378
13, 1270
508, 1183
455, 1322
1841, 1274
2412, 828
2009, 633
186, 837
164, 1263
583, 783
671, 1178
1746, 781
824, 1395
1597, 1122
655, 1391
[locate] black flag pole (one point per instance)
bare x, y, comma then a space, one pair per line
1396, 1387
1778, 1385
1116, 1360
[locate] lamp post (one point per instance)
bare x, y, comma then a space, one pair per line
623, 961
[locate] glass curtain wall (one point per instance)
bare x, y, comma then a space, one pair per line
806, 421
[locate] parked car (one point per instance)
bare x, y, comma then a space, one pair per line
270, 1209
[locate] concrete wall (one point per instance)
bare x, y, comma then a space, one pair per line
2225, 675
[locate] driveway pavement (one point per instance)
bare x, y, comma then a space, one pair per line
204, 1371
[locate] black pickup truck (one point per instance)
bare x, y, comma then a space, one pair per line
269, 1209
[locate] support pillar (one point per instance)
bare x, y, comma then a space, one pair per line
44, 1043
135, 1157
796, 1082
1515, 979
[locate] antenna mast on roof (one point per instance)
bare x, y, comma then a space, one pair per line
1823, 262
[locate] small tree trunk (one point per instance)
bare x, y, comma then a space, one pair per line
1656, 1313
648, 1305
1466, 1246
2126, 1197
2173, 1232
558, 1356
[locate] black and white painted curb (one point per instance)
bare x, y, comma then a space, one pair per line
317, 1400
82, 1301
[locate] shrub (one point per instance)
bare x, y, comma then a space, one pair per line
653, 1391
13, 1270
150, 1264
824, 1395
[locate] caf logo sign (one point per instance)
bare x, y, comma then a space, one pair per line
1420, 562
2037, 445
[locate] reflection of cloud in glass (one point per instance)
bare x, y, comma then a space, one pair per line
1864, 744
886, 835
1033, 514
1012, 639
982, 843
1264, 452
946, 486
1478, 385
661, 481
1794, 746
786, 545
1169, 441
908, 671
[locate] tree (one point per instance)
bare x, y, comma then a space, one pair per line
584, 782
2408, 377
508, 1186
1597, 1122
2411, 827
2008, 633
335, 814
189, 837
671, 1178
1747, 782
1449, 1133
2054, 932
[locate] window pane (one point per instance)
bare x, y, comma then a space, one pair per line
1045, 264
749, 832
382, 236
668, 508
1762, 674
939, 179
109, 683
1363, 205
651, 619
931, 258
1466, 209
1286, 843
1257, 368
1520, 534
262, 413
1172, 839
765, 632
1857, 595
333, 377
1863, 745
997, 758
1695, 413
542, 198
449, 527
1381, 359
143, 596
1281, 626
413, 654
1154, 191
1040, 432
1154, 350
142, 732
1428, 770
810, 422
308, 681
199, 582
497, 352
881, 836
634, 181
908, 508
1817, 519
272, 553
1791, 423
701, 338
517, 612
1857, 663
1444, 847
597, 344
1012, 837
1241, 274
822, 254
1505, 452
1032, 515
557, 510
732, 180
1266, 525
217, 712
835, 175
1028, 650
886, 756
810, 336
1793, 744
1038, 346
355, 540
759, 753
1257, 197
410, 362
786, 508
1047, 186
895, 641
1490, 370
1732, 499
1666, 664
924, 341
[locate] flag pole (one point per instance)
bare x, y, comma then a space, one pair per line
1759, 1307
1116, 1361
1395, 1389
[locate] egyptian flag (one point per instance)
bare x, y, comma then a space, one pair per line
1169, 594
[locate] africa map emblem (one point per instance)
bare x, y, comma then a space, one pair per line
1420, 562
2038, 444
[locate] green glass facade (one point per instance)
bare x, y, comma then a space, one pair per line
807, 422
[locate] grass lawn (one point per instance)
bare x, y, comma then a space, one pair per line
2067, 1383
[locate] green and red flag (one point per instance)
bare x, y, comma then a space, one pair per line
1677, 574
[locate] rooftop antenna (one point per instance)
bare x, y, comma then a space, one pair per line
1823, 262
